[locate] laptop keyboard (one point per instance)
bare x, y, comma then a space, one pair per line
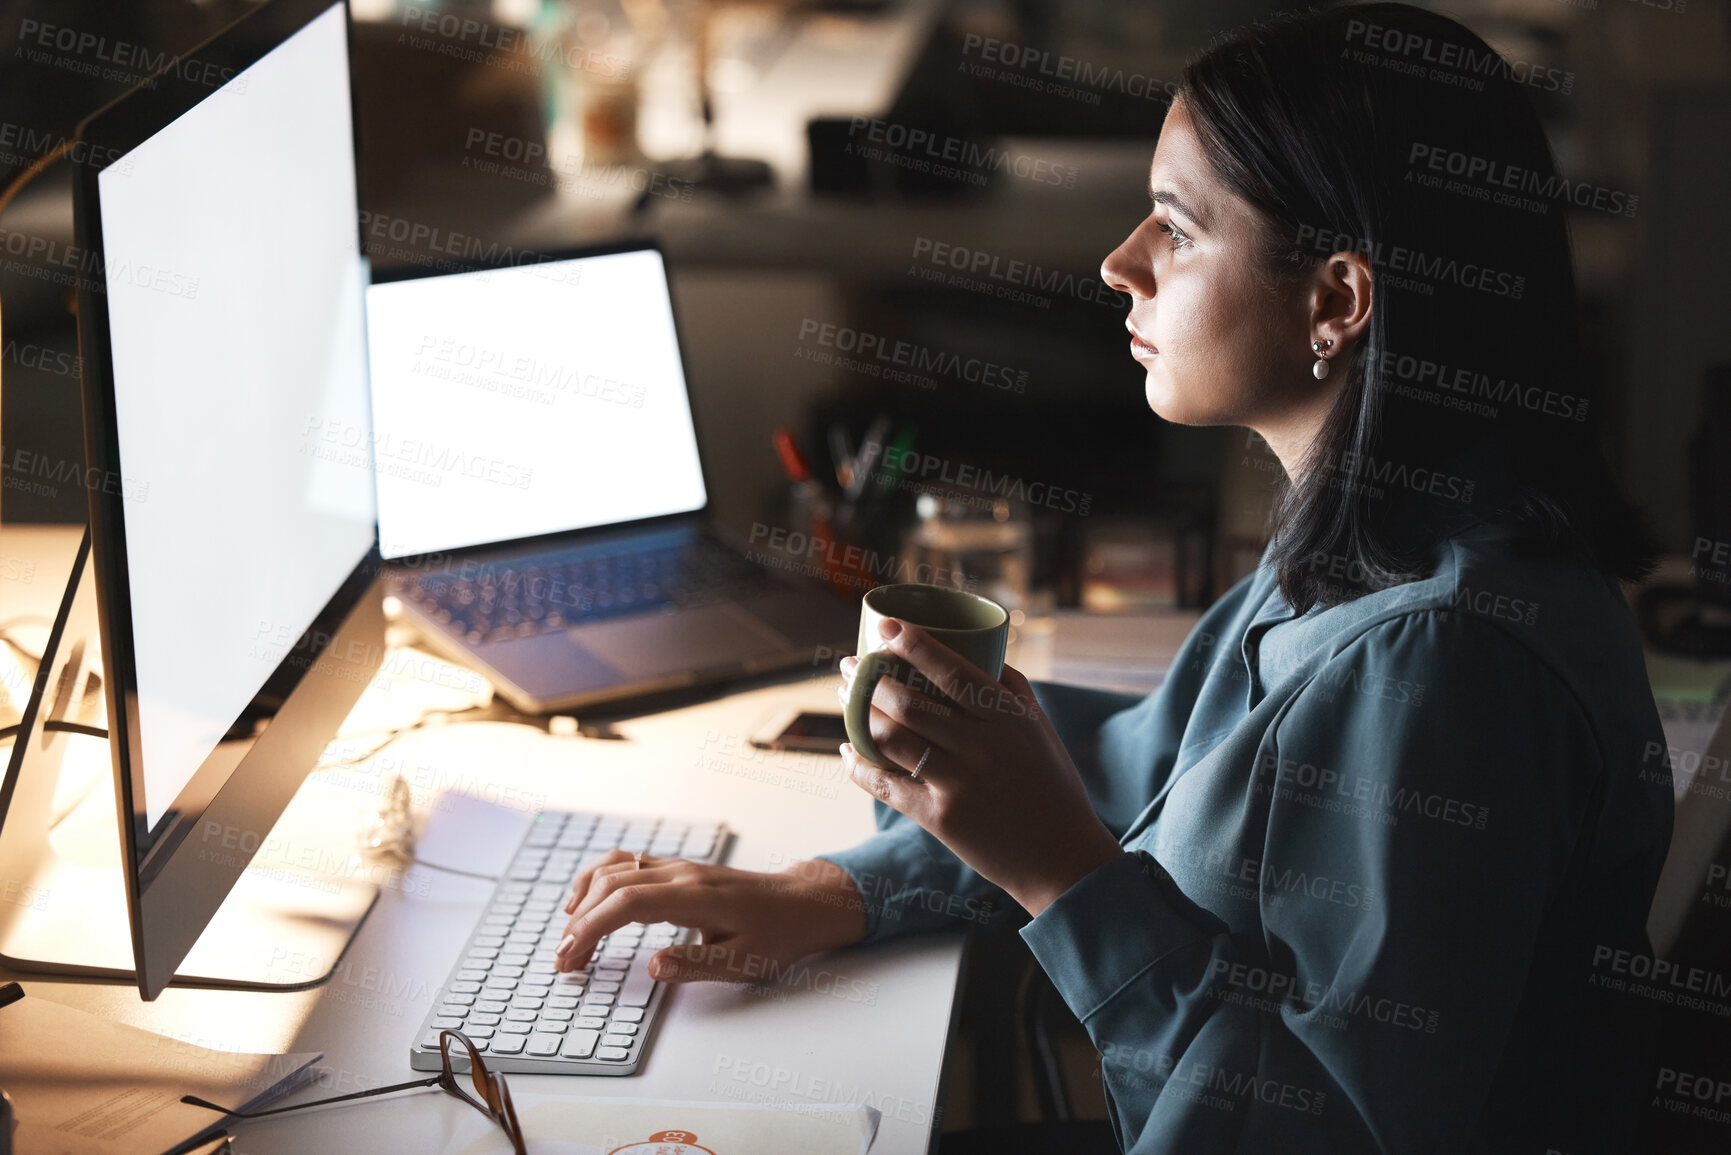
492, 601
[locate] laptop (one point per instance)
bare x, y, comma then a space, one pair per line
542, 495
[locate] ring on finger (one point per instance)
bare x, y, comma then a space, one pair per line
920, 765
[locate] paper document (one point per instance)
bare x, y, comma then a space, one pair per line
84, 1085
557, 1125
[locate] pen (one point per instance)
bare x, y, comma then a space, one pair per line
869, 448
809, 496
841, 452
792, 460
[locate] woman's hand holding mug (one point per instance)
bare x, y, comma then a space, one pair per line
994, 782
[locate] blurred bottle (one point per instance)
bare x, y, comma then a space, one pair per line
606, 45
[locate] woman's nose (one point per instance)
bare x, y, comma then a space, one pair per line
1124, 272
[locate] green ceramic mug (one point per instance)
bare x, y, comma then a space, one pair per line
975, 627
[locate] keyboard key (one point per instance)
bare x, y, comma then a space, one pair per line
544, 1045
484, 1020
589, 1022
617, 1028
638, 986
478, 1033
562, 1002
604, 987
552, 1027
471, 975
465, 987
491, 1006
580, 1044
628, 1014
451, 1011
447, 1023
612, 1054
459, 999
521, 1015
616, 1040
516, 1028
557, 1013
505, 1045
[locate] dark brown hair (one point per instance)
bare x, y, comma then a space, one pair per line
1373, 128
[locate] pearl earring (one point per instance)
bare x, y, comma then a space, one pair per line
1320, 348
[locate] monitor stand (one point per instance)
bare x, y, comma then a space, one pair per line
63, 908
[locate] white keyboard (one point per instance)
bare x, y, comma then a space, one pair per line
504, 993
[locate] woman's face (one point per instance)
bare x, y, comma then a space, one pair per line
1219, 346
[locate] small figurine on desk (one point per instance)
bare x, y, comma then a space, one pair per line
665, 1143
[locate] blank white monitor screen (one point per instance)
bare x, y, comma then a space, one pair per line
236, 315
528, 400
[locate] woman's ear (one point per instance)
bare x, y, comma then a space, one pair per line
1340, 300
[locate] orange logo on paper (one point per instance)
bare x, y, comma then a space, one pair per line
665, 1143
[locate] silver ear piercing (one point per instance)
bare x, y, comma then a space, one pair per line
1320, 348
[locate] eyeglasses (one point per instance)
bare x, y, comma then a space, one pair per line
495, 1100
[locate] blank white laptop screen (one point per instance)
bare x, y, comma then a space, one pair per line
528, 400
236, 316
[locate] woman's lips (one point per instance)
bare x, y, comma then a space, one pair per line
1140, 349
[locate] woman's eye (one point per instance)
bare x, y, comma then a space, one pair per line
1179, 240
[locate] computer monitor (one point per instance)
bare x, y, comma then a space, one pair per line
233, 562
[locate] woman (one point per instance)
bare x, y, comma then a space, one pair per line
1348, 880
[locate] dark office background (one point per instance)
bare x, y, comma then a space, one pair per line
466, 140
1648, 113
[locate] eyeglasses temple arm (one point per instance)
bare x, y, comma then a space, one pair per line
195, 1101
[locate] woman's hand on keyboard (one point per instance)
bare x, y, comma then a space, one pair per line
994, 784
755, 926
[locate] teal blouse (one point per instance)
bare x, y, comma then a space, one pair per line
1381, 858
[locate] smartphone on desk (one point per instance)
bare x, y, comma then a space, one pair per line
802, 731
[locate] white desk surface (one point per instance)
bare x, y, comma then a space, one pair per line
879, 1040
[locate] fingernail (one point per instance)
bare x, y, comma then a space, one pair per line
571, 906
845, 749
889, 628
654, 968
566, 943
